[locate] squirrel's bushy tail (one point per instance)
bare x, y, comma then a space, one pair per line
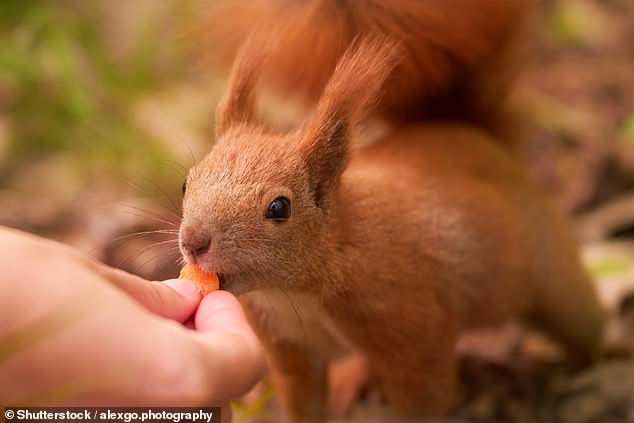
353, 88
458, 60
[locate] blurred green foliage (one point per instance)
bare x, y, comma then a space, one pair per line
64, 92
572, 22
627, 131
258, 410
610, 267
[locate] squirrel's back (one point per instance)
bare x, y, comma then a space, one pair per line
459, 56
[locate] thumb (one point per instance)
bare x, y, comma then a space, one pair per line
234, 356
174, 299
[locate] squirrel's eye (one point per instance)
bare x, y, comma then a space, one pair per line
184, 186
279, 209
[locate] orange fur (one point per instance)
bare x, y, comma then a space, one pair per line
390, 251
459, 56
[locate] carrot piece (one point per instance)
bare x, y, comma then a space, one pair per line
207, 281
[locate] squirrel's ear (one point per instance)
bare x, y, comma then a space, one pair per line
350, 92
326, 155
238, 104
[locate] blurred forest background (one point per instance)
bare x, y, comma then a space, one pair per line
104, 105
103, 108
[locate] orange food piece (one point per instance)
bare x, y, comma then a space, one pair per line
207, 281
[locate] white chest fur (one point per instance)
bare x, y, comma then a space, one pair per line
300, 319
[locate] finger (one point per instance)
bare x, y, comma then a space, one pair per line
174, 299
233, 355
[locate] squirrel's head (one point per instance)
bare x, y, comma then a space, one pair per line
257, 208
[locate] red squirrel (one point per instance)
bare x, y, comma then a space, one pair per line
391, 250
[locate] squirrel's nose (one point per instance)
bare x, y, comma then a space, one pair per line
196, 245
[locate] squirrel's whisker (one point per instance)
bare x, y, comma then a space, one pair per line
153, 198
148, 213
165, 194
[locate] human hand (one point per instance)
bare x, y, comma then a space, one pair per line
74, 331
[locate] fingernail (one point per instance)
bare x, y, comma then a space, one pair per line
184, 287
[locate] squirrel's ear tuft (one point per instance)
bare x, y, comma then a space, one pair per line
238, 104
326, 157
351, 91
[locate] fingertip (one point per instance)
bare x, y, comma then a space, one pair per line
185, 287
220, 310
224, 297
174, 299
